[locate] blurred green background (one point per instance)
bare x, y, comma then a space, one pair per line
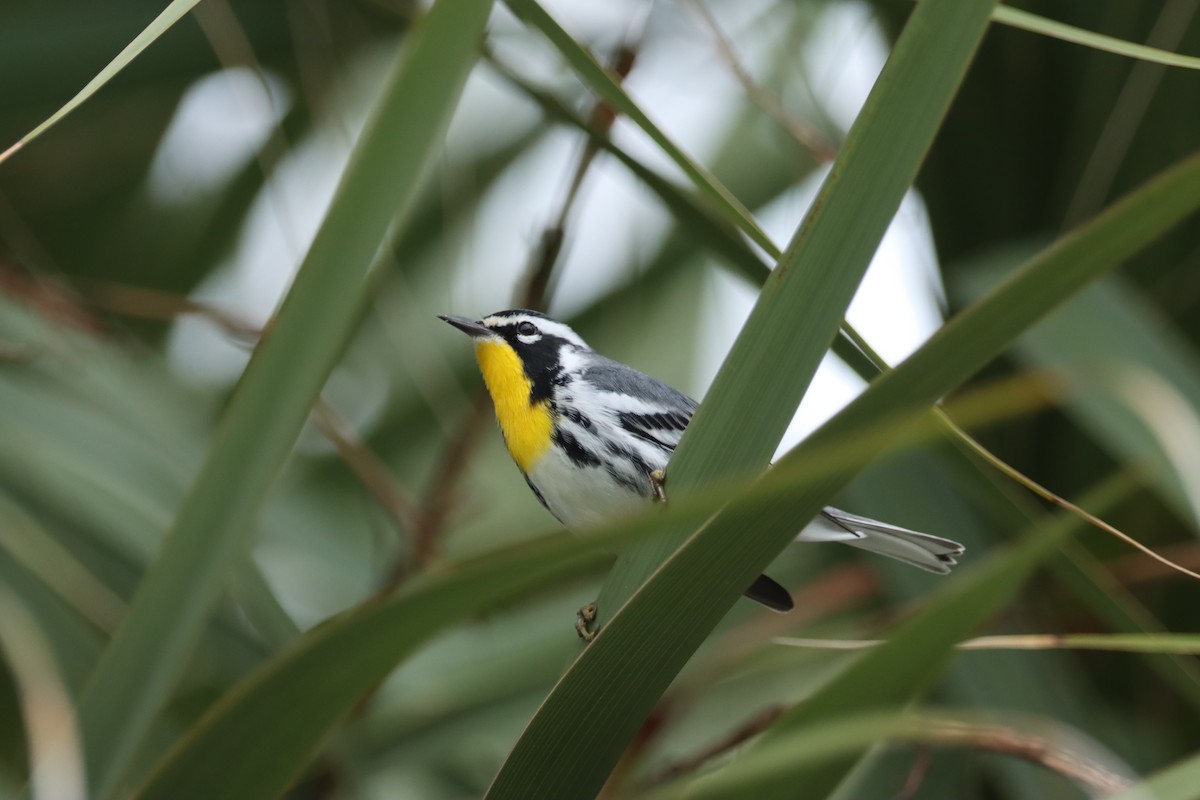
146, 239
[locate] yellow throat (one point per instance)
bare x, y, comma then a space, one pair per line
527, 427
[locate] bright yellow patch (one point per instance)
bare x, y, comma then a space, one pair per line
527, 428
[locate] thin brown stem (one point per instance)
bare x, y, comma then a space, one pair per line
1137, 568
808, 137
916, 775
355, 453
734, 738
1016, 744
990, 738
973, 447
443, 492
365, 465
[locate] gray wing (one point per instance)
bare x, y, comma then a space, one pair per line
668, 410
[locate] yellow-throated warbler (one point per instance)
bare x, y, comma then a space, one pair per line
592, 436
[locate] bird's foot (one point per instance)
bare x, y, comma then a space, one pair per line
658, 482
583, 622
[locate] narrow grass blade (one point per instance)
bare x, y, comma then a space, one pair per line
269, 407
169, 16
614, 683
1016, 18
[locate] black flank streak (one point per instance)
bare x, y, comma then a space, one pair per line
578, 418
640, 424
580, 456
641, 487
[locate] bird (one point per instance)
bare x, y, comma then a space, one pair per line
592, 438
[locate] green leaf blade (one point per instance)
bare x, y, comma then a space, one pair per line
272, 402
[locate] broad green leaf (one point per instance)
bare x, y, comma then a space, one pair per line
333, 665
271, 404
614, 686
798, 313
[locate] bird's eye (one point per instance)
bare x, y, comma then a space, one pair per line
527, 329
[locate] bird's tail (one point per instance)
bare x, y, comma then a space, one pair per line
931, 553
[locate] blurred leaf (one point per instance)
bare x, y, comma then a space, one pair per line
915, 653
1104, 340
272, 402
264, 708
51, 734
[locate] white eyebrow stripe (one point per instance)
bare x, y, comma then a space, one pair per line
543, 324
558, 329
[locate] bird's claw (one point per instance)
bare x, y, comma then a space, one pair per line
584, 620
658, 482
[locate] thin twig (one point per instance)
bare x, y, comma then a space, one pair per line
365, 464
953, 733
916, 775
537, 282
355, 453
443, 491
1009, 742
738, 736
1041, 491
821, 150
972, 445
1135, 569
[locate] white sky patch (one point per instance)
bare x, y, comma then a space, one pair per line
277, 231
222, 121
895, 308
278, 228
843, 56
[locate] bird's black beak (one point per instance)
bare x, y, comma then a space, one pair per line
468, 326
